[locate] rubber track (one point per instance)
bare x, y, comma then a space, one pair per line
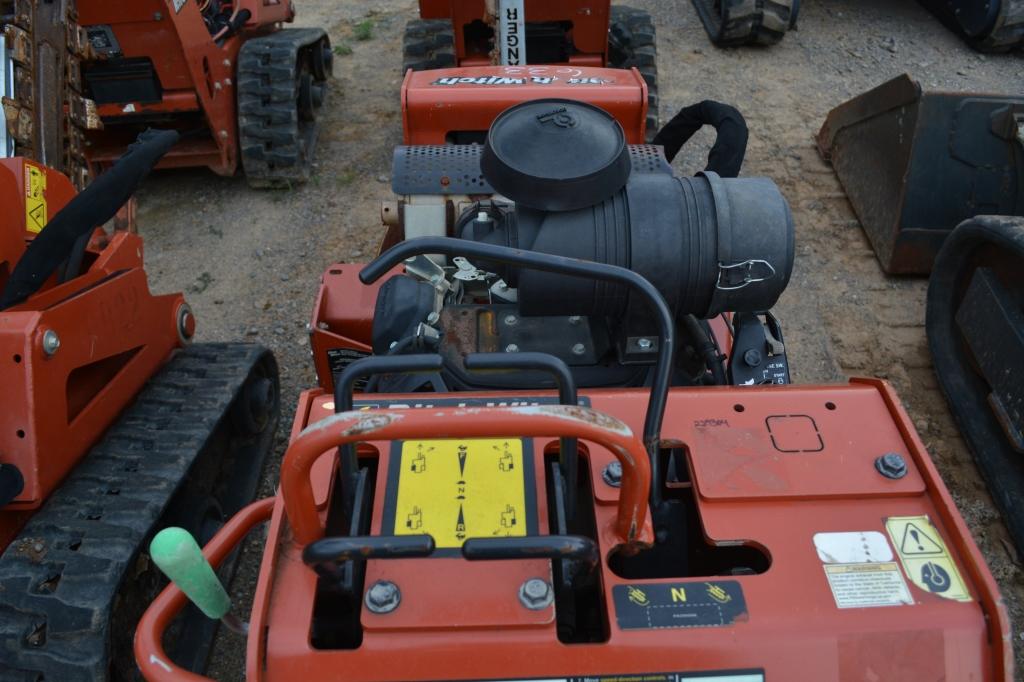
747, 22
88, 534
428, 44
1008, 33
276, 146
632, 31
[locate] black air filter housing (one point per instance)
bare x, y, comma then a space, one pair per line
556, 155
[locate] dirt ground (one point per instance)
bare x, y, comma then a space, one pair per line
250, 261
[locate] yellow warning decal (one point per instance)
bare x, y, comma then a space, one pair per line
925, 558
35, 198
458, 489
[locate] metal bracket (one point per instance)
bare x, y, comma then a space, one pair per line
734, 276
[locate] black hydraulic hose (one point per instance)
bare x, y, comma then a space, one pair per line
703, 342
726, 155
95, 205
562, 265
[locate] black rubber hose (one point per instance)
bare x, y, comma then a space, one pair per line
703, 341
726, 155
95, 205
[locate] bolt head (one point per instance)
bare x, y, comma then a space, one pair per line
579, 349
536, 594
383, 597
752, 357
643, 344
891, 465
511, 348
612, 474
511, 320
51, 342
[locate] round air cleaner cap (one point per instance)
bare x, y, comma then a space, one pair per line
556, 154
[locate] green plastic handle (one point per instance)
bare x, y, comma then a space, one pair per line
178, 555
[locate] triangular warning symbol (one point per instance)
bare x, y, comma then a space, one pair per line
38, 215
918, 543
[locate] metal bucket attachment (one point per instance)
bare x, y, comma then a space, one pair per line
914, 165
975, 324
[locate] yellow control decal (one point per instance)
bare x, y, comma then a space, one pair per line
458, 489
925, 558
35, 198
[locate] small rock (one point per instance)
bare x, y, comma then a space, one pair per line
218, 301
252, 331
961, 72
258, 253
357, 254
279, 330
382, 178
284, 277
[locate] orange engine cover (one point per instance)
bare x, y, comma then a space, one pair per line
439, 104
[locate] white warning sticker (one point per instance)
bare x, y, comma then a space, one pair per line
858, 586
861, 569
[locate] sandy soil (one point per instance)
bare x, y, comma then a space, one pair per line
250, 261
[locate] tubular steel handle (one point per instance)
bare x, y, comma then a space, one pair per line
533, 260
345, 384
153, 661
575, 547
465, 422
568, 450
324, 555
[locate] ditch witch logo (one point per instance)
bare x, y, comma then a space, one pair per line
517, 80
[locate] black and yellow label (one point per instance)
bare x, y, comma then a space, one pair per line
461, 488
925, 558
704, 604
36, 215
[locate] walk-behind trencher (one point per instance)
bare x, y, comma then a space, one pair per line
529, 459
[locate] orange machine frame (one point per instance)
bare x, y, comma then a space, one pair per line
197, 75
770, 468
589, 26
114, 334
440, 102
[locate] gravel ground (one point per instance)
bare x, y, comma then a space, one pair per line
250, 261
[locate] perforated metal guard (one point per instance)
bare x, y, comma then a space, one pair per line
438, 169
455, 168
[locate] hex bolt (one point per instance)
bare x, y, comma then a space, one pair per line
51, 342
383, 597
752, 357
643, 343
579, 349
891, 465
536, 594
612, 474
511, 320
511, 348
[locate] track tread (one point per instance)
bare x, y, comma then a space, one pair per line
747, 22
633, 41
126, 490
276, 146
428, 44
